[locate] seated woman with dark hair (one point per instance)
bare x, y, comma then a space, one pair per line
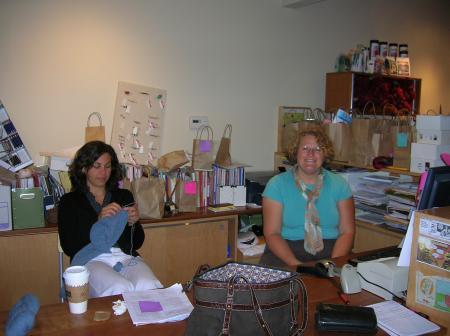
308, 211
96, 202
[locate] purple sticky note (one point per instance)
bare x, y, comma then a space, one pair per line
190, 188
150, 306
205, 146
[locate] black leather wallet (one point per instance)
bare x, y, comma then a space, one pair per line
350, 319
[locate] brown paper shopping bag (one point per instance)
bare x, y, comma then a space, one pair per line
363, 127
93, 133
186, 196
202, 151
340, 135
172, 161
223, 157
403, 134
149, 194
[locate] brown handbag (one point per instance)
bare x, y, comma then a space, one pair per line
241, 299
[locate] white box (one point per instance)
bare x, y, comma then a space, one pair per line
5, 208
433, 122
235, 195
435, 137
419, 165
428, 151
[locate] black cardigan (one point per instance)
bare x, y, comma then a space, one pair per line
76, 217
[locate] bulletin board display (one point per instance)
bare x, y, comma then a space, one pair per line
137, 125
13, 153
429, 270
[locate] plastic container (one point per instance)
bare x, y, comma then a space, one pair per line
374, 49
383, 49
403, 50
393, 50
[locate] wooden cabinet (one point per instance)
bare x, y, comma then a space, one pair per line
352, 90
174, 248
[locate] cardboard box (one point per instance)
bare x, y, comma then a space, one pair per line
434, 137
433, 122
429, 269
5, 208
428, 151
419, 165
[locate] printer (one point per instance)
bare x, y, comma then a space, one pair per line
385, 273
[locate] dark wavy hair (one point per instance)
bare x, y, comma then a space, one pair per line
85, 159
322, 140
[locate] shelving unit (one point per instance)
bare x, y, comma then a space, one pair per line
350, 90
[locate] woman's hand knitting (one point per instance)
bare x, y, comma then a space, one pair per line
133, 214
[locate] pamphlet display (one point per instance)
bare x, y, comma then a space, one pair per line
13, 154
137, 126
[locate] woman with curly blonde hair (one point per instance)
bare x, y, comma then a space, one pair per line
308, 211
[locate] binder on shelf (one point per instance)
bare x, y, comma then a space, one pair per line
27, 208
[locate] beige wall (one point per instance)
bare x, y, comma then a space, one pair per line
234, 61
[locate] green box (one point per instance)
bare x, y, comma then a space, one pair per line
27, 208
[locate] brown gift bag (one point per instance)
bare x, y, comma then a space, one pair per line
403, 134
149, 194
186, 196
202, 151
340, 135
223, 157
172, 160
94, 132
383, 138
363, 127
291, 130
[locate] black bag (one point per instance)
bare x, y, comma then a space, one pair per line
242, 299
349, 319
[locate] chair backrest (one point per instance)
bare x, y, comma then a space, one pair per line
62, 290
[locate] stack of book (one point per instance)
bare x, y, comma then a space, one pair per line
401, 203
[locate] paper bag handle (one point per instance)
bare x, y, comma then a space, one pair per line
209, 132
98, 115
228, 128
372, 105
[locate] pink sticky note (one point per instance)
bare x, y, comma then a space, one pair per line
150, 306
205, 146
190, 188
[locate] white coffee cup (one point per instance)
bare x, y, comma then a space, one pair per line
76, 280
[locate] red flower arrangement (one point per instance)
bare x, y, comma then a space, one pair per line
382, 90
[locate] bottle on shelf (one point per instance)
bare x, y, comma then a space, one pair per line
374, 49
383, 49
393, 50
403, 50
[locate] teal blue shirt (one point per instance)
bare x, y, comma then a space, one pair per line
282, 189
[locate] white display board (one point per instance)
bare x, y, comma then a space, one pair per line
137, 125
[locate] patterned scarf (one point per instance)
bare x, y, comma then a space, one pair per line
313, 233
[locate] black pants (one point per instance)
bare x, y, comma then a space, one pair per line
297, 246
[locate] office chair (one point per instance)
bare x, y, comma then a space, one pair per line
62, 290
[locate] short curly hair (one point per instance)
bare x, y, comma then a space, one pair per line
85, 159
323, 141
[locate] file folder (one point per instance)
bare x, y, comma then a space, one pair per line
27, 208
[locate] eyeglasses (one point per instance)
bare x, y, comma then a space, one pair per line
313, 150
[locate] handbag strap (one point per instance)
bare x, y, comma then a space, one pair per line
229, 304
295, 328
209, 133
98, 115
228, 128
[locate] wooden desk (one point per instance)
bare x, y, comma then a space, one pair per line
174, 247
56, 320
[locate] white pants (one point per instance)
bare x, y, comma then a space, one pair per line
135, 275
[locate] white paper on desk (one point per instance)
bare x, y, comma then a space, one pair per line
405, 253
401, 320
175, 305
